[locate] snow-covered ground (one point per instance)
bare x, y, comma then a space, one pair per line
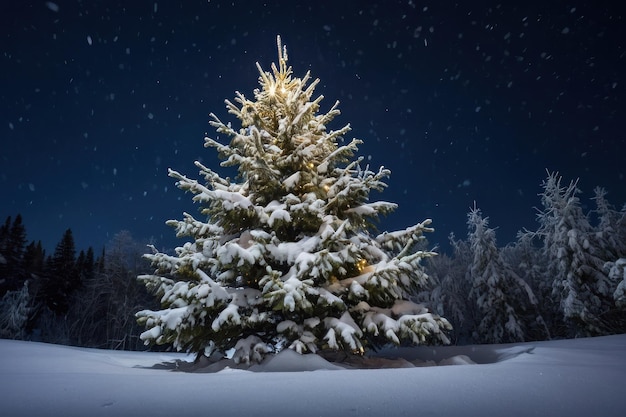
582, 377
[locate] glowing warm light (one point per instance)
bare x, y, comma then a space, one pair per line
361, 265
359, 351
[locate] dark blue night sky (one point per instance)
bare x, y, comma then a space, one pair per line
464, 101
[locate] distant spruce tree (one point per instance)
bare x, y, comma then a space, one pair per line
448, 291
580, 284
34, 259
85, 265
617, 272
526, 259
504, 300
12, 244
61, 275
610, 240
15, 308
611, 229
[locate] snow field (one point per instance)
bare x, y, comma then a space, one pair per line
581, 377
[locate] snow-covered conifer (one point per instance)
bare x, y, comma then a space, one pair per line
15, 307
284, 255
448, 290
611, 228
525, 258
617, 272
580, 285
502, 297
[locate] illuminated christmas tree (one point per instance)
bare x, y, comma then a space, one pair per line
285, 255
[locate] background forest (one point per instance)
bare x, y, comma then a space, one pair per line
82, 300
566, 278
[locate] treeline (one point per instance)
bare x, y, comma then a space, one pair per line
566, 278
68, 298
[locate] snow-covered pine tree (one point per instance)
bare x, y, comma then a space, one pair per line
12, 243
449, 288
526, 259
610, 239
611, 228
62, 278
15, 307
580, 284
617, 272
284, 255
504, 300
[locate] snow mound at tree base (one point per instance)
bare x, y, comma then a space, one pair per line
284, 361
410, 357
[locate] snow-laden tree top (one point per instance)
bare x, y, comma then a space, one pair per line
284, 255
